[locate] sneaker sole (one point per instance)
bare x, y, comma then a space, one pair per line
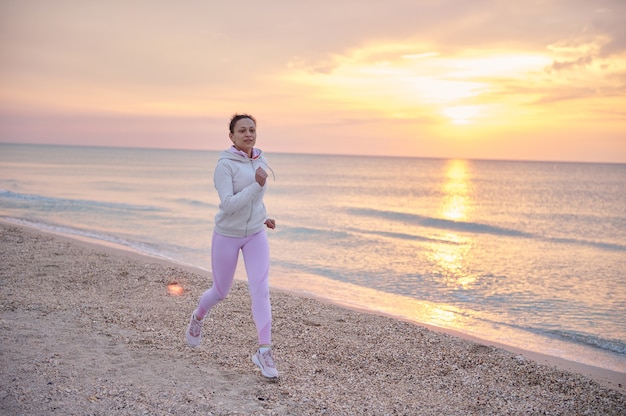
192, 344
255, 360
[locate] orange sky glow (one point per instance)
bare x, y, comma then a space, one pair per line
488, 79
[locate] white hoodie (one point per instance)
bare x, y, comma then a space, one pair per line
241, 212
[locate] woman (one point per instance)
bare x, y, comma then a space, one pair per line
240, 180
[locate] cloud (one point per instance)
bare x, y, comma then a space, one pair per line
338, 68
580, 62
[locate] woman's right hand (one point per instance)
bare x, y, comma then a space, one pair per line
260, 176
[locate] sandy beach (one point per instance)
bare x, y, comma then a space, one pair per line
90, 330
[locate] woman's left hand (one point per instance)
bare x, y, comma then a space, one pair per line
270, 223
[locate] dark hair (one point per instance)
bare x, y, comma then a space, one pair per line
234, 119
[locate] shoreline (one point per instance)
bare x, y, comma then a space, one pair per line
607, 377
88, 329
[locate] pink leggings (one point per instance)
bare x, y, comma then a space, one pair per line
256, 256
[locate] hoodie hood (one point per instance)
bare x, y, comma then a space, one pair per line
235, 155
240, 155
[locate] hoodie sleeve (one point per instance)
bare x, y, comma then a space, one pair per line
229, 200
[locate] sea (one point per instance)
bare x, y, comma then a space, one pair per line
530, 255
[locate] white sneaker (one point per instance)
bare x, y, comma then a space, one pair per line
265, 361
194, 331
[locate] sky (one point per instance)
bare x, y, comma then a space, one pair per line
479, 79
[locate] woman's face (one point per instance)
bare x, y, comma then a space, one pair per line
244, 135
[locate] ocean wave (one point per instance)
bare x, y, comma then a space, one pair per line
67, 204
306, 233
141, 247
195, 203
613, 345
439, 223
315, 270
477, 228
69, 231
404, 236
596, 244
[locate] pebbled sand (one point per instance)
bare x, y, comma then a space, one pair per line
88, 330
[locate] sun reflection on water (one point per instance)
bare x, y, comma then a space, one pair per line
456, 191
450, 256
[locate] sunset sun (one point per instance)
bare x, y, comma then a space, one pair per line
464, 114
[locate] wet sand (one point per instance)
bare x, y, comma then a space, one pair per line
92, 330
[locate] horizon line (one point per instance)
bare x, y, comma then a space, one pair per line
318, 154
